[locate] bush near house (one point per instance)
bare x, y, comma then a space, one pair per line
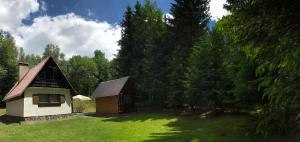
84, 106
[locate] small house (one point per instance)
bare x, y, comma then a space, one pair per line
40, 91
114, 96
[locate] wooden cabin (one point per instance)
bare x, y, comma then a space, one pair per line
114, 96
40, 91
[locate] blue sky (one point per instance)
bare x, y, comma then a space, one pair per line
110, 11
76, 26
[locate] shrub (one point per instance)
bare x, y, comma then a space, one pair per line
79, 106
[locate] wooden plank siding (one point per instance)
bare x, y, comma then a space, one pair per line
107, 105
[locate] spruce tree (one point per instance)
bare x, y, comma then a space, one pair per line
189, 23
206, 79
155, 55
142, 53
124, 57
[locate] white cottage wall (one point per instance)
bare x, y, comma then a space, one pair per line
31, 109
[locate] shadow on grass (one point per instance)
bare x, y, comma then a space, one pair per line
139, 117
132, 116
227, 128
5, 119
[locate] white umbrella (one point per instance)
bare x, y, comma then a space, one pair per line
81, 97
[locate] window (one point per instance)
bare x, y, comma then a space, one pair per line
43, 98
54, 98
48, 99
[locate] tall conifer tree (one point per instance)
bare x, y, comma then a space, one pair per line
124, 57
189, 23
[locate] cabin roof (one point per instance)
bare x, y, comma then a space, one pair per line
110, 88
18, 89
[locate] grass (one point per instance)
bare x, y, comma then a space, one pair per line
132, 127
136, 127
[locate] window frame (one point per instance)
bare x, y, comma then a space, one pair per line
49, 103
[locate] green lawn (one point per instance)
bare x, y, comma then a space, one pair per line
146, 127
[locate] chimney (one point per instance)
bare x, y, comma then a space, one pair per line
23, 69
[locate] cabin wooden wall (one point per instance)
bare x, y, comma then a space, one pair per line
107, 105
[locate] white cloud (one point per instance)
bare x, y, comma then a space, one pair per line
168, 16
90, 13
12, 12
72, 33
216, 9
43, 6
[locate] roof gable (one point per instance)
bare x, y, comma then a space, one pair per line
50, 76
18, 89
110, 88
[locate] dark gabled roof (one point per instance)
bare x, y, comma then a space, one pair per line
110, 88
18, 89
